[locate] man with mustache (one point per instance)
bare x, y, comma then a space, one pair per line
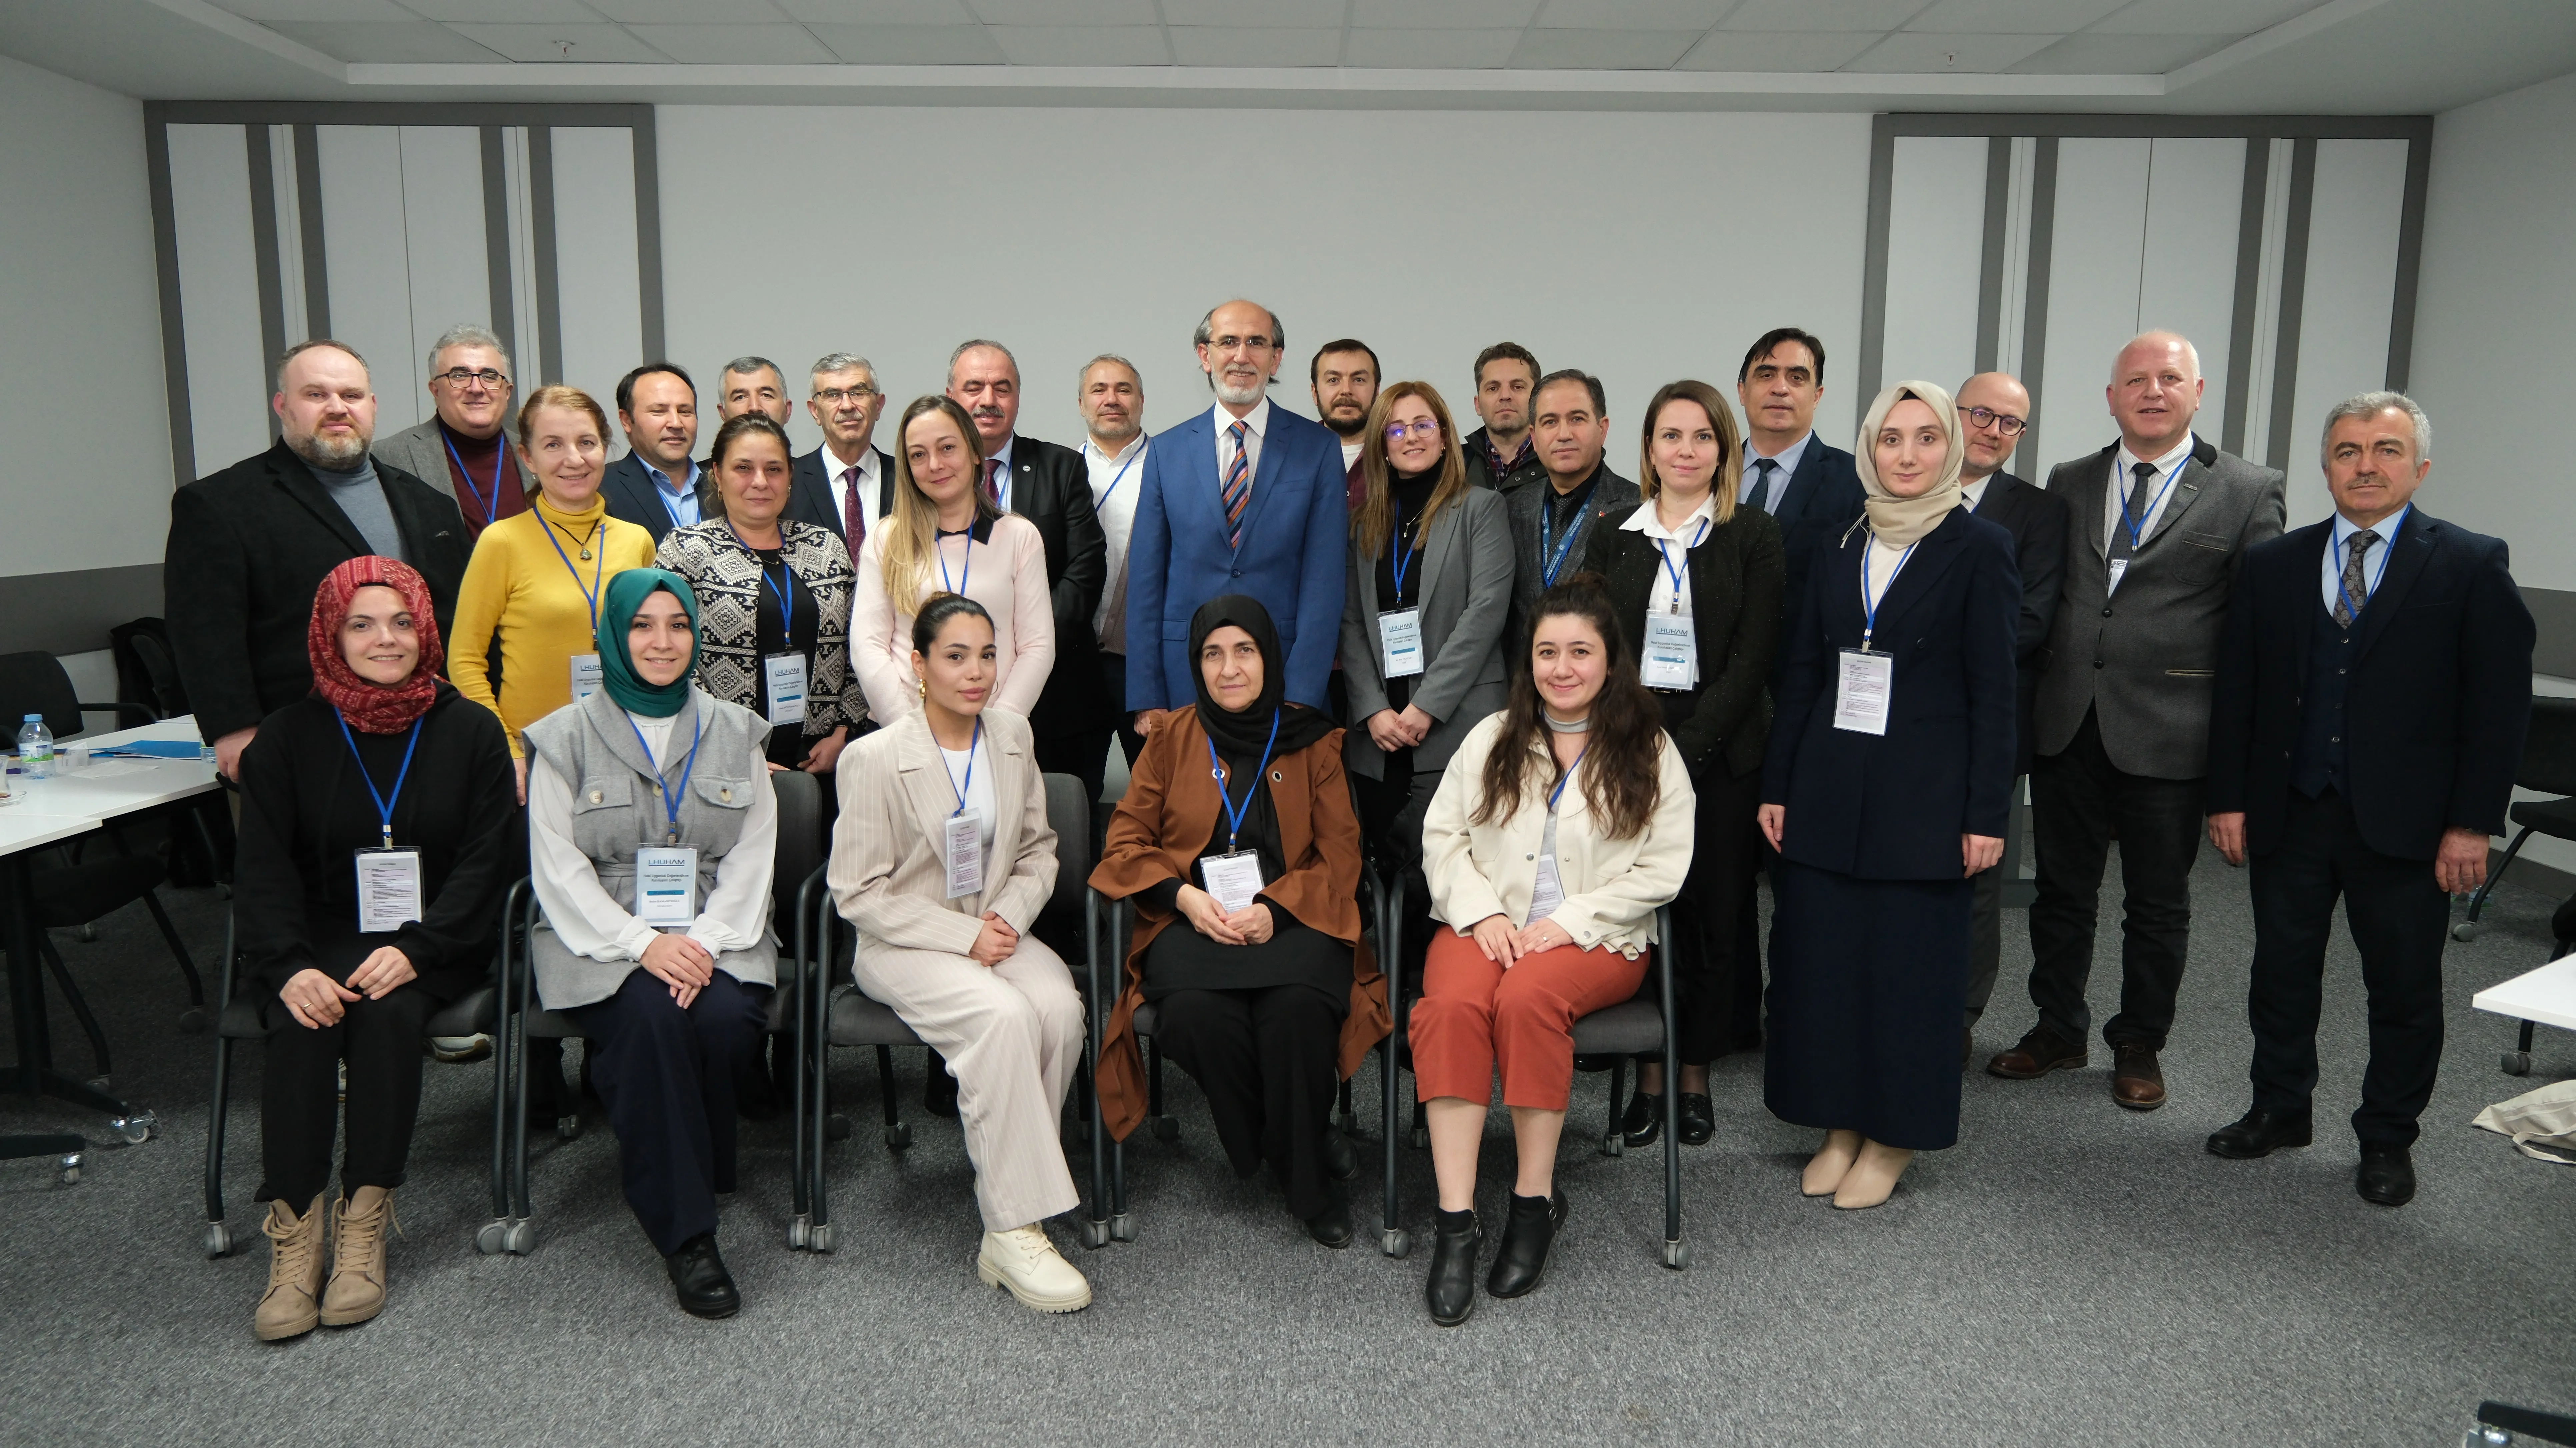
1345, 375
747, 383
463, 450
658, 485
1500, 454
846, 484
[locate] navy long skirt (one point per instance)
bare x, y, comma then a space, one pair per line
1868, 979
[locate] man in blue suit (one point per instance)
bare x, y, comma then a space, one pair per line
1243, 498
658, 485
1810, 488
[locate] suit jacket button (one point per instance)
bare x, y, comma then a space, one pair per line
1238, 573
1529, 857
2097, 663
727, 794
2106, 612
594, 796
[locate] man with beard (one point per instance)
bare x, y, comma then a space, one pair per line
1111, 394
1345, 375
1500, 454
249, 545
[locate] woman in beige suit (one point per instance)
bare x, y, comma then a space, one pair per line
942, 857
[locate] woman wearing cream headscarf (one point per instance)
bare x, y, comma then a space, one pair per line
1887, 786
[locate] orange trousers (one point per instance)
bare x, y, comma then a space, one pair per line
1475, 1015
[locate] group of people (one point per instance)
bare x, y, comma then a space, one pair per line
1547, 699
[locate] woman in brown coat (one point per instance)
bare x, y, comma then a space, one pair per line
1267, 997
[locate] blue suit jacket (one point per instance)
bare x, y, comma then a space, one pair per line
1294, 538
635, 498
1821, 500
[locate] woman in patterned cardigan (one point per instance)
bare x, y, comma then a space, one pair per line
774, 602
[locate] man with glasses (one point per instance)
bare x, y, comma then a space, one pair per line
1242, 498
1994, 409
749, 383
464, 448
847, 483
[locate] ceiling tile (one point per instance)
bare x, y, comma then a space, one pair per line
1234, 45
779, 44
409, 42
2011, 17
1265, 14
1634, 14
1912, 52
879, 12
324, 10
1065, 13
498, 12
2202, 17
1082, 44
909, 44
1432, 49
1440, 14
2122, 54
597, 42
1795, 15
1766, 50
690, 12
1551, 49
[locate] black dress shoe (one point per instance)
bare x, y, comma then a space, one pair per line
1332, 1225
2387, 1176
1450, 1290
1527, 1233
1699, 1120
2259, 1133
706, 1288
1341, 1159
939, 1090
1643, 1121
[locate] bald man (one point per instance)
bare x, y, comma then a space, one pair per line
2158, 523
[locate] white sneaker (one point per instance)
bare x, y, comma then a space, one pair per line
1023, 1260
457, 1050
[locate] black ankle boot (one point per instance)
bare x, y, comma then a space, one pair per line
1699, 1119
1450, 1291
1643, 1121
1527, 1233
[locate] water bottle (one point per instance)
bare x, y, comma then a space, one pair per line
35, 748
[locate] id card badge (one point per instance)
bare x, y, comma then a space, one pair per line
388, 890
1547, 894
2111, 585
585, 676
1862, 691
1399, 648
1232, 878
666, 886
1672, 651
963, 839
782, 677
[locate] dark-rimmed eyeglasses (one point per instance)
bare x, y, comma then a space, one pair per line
461, 377
2003, 422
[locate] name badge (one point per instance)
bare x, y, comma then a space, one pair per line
1671, 658
1399, 642
1862, 691
1232, 879
2111, 585
666, 885
964, 841
388, 890
783, 676
1547, 894
585, 676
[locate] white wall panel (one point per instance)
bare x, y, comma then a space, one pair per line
603, 329
2352, 269
228, 387
1935, 258
2095, 261
366, 254
442, 176
2187, 280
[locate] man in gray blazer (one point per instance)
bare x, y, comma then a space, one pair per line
1569, 423
2159, 522
463, 450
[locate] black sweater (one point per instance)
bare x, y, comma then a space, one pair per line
305, 812
1736, 600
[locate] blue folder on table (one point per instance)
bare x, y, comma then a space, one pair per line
151, 749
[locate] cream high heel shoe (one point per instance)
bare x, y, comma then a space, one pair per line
1826, 1169
1872, 1178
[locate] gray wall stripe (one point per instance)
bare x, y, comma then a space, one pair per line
496, 241
1873, 267
308, 206
1990, 270
648, 231
541, 235
2249, 279
2294, 298
2410, 254
397, 113
2367, 128
2043, 241
174, 328
264, 253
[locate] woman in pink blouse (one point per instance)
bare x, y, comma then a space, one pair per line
945, 536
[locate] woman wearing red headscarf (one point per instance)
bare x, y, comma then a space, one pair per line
374, 853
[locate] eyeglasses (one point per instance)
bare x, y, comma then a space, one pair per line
835, 396
2003, 422
1419, 427
1254, 343
462, 377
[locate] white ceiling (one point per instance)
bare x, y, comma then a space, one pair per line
2171, 55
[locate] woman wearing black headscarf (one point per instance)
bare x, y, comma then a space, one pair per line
1237, 820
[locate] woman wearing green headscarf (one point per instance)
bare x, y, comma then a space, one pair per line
652, 832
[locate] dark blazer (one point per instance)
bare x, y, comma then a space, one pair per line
634, 497
2036, 519
1893, 806
1480, 474
1821, 501
1735, 611
1051, 487
2436, 706
247, 548
1613, 498
809, 493
1465, 599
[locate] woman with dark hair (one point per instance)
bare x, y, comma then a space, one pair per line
1695, 581
364, 900
1237, 821
773, 600
652, 834
1563, 824
942, 858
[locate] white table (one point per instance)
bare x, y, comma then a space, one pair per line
2546, 996
162, 781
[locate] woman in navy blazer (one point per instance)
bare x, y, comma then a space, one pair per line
1881, 814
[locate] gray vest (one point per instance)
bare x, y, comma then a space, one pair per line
617, 809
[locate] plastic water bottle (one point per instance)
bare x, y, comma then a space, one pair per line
35, 748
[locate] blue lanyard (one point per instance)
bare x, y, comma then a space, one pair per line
1114, 482
1674, 573
1548, 566
1234, 816
780, 585
500, 454
671, 797
666, 495
965, 566
1568, 776
589, 595
1403, 562
2340, 551
954, 787
1869, 616
2137, 526
384, 802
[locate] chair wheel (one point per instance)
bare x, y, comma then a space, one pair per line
898, 1135
71, 1165
820, 1239
568, 1127
2465, 931
519, 1238
2517, 1063
218, 1241
1122, 1228
1395, 1242
487, 1238
1421, 1138
192, 1021
88, 934
135, 1129
1167, 1128
1095, 1235
1614, 1142
799, 1232
1677, 1256
836, 1127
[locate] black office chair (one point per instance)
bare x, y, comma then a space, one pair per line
842, 1015
2548, 767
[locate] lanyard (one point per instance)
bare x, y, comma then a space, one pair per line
2342, 551
1568, 776
385, 802
666, 495
781, 586
1402, 562
1869, 617
1114, 482
1670, 571
1234, 816
500, 454
671, 797
965, 565
959, 790
589, 595
1548, 566
2137, 526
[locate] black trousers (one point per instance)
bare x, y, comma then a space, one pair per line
1986, 935
667, 1076
2399, 919
1745, 1032
1266, 1061
1711, 966
1392, 810
2077, 799
299, 1106
1113, 683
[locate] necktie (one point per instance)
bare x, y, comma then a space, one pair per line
992, 489
854, 517
2141, 497
1238, 485
2356, 584
1760, 493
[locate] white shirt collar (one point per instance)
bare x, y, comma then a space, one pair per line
2386, 528
1975, 493
1645, 521
866, 464
2128, 461
1258, 419
1788, 457
1123, 454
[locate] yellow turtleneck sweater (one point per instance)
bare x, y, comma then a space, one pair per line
538, 602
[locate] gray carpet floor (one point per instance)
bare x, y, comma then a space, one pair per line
2070, 1274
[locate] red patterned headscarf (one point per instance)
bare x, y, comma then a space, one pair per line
373, 708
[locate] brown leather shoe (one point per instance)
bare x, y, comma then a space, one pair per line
2039, 1052
2137, 1082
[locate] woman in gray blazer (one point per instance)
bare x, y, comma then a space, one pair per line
1428, 595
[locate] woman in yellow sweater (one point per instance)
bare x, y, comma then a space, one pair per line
535, 579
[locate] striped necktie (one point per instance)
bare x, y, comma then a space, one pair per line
992, 488
854, 516
1238, 485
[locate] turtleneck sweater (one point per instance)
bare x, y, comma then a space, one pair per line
529, 589
361, 495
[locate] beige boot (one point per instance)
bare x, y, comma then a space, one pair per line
357, 1290
294, 1272
1023, 1260
1872, 1178
1825, 1170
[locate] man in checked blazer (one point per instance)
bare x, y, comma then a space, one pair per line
2158, 523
